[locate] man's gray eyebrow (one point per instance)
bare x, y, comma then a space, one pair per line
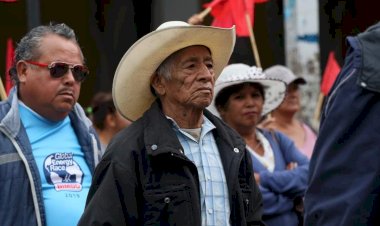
209, 58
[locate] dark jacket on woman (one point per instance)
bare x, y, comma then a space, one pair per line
145, 179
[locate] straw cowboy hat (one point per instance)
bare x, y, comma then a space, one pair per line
285, 74
131, 84
233, 74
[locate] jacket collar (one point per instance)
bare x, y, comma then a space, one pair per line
155, 122
12, 123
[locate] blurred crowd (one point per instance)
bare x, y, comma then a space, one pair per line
186, 137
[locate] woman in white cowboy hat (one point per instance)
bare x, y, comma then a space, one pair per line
176, 164
243, 95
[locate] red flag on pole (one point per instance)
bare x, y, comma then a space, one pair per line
330, 74
232, 12
8, 64
215, 3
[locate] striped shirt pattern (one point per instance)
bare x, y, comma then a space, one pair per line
204, 154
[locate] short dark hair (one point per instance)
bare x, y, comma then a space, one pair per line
222, 98
101, 105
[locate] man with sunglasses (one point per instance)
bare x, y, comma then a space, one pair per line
48, 148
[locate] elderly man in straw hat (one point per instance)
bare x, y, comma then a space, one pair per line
176, 164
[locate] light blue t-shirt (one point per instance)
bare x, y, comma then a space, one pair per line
65, 175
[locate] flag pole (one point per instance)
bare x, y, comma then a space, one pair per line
253, 40
205, 12
3, 94
199, 17
318, 107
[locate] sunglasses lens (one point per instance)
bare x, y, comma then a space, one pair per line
80, 73
58, 70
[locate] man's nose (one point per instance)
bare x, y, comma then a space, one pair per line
69, 76
206, 73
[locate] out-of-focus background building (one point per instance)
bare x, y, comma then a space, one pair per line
296, 33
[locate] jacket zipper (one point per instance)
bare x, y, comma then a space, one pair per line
247, 205
29, 173
97, 152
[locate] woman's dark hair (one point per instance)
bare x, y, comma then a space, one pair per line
101, 105
223, 96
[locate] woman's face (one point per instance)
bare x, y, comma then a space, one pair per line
292, 101
243, 108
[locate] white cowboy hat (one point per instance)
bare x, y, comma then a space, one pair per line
283, 73
131, 84
233, 74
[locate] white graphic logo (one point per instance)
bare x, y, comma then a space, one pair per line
63, 172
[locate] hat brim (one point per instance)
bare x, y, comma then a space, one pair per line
299, 81
274, 92
131, 84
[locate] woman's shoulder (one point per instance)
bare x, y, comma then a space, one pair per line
272, 133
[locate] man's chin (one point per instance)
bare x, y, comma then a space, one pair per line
204, 104
65, 108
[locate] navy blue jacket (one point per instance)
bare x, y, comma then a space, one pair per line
21, 201
344, 175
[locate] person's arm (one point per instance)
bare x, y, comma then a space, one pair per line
291, 182
112, 197
274, 202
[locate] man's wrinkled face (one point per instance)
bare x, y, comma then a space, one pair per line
192, 79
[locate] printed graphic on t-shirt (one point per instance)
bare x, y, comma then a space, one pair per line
62, 171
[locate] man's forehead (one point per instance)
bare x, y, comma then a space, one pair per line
192, 52
194, 46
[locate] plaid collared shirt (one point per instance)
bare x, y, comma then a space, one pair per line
204, 154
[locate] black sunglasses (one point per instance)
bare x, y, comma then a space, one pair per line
59, 69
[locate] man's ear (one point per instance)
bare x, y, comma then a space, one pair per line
158, 84
110, 120
22, 70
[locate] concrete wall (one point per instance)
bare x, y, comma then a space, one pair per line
302, 49
166, 10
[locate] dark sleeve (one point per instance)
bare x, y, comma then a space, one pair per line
254, 217
344, 180
275, 203
291, 183
111, 199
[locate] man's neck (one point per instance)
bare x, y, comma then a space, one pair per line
104, 136
185, 118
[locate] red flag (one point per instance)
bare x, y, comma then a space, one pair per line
232, 12
214, 3
8, 64
330, 74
